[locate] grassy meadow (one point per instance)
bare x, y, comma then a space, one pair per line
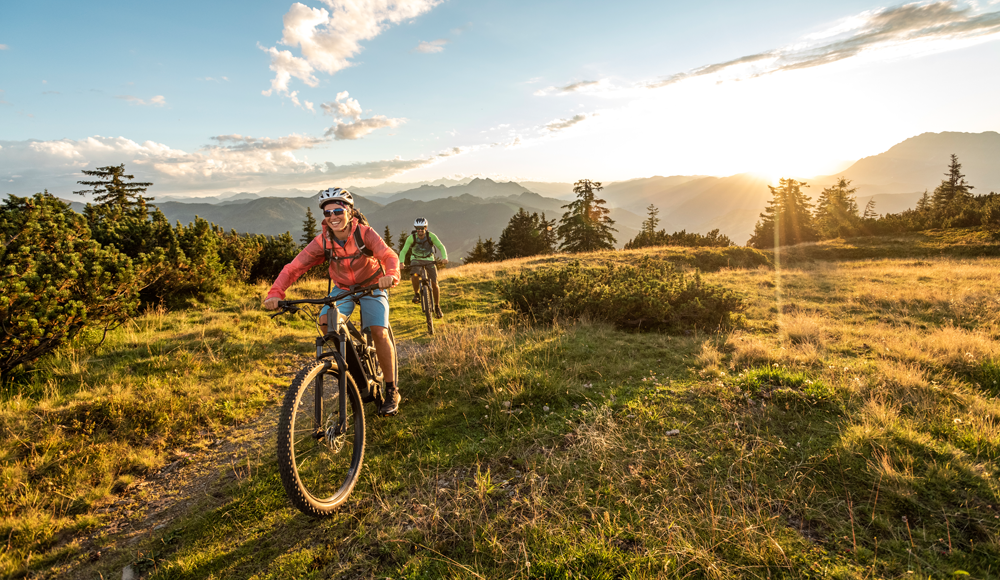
848, 428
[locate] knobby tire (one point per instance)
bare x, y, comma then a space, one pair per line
319, 474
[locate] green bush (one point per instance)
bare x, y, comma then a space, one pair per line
55, 280
649, 295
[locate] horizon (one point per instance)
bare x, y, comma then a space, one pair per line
360, 94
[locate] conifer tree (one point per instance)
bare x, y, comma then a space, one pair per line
953, 191
113, 193
787, 219
870, 210
481, 253
837, 210
586, 227
525, 235
401, 241
309, 231
650, 223
387, 237
924, 203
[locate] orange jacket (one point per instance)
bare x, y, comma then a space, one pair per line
348, 267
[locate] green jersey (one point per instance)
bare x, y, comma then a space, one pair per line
415, 249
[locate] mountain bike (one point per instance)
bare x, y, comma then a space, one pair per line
426, 293
321, 431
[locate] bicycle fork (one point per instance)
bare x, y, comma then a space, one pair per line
318, 405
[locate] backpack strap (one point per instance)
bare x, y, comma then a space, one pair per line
360, 241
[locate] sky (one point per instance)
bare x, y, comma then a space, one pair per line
202, 98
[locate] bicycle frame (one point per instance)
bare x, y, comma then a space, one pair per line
339, 331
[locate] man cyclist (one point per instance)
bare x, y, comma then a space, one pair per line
358, 257
420, 246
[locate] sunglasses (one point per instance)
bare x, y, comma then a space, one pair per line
421, 229
334, 211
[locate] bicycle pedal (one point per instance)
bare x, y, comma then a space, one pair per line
393, 414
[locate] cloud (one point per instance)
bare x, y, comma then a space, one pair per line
4, 47
350, 131
157, 101
560, 124
345, 108
328, 39
213, 79
461, 29
909, 25
587, 87
230, 161
912, 28
432, 46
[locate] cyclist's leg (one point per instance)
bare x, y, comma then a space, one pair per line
432, 273
375, 314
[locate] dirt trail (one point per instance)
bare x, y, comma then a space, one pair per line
193, 480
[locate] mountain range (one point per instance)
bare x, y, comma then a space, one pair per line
461, 211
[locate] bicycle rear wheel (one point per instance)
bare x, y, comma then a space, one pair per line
428, 306
320, 460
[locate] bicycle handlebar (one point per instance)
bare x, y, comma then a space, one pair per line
289, 305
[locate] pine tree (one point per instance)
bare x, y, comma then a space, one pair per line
650, 223
924, 203
586, 227
953, 192
837, 210
787, 219
114, 195
550, 234
482, 252
870, 210
525, 235
309, 231
401, 241
387, 237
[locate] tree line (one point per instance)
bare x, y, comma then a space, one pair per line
63, 272
791, 218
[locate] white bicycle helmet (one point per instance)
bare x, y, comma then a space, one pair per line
335, 194
420, 223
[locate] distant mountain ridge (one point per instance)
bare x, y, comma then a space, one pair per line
463, 211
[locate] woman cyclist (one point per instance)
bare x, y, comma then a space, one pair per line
351, 268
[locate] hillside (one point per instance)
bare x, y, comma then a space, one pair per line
845, 429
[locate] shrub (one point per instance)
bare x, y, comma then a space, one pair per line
55, 280
649, 295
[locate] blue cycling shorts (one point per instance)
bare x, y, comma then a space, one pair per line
374, 307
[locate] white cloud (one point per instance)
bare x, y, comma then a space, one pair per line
4, 47
231, 161
214, 79
345, 108
560, 124
914, 28
432, 46
907, 30
157, 101
358, 129
328, 39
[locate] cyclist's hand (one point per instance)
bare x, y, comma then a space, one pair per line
444, 261
386, 282
271, 303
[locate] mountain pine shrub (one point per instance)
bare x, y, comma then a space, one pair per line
55, 280
649, 295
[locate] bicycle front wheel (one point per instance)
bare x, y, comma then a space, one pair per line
319, 450
428, 305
